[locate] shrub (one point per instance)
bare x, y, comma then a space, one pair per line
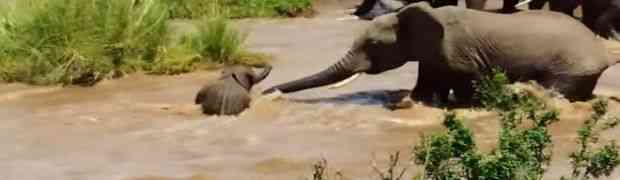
523, 149
588, 162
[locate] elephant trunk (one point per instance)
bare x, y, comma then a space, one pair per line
350, 65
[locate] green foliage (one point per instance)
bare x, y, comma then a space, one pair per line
238, 8
588, 162
442, 154
215, 40
79, 41
522, 151
84, 41
492, 92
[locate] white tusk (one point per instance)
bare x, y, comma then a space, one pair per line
346, 18
345, 82
523, 3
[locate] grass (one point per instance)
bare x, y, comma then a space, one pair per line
215, 40
80, 41
523, 150
47, 42
240, 8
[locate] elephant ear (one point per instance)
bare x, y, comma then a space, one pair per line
200, 97
244, 79
419, 30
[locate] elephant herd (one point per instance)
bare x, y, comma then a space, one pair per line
601, 16
453, 46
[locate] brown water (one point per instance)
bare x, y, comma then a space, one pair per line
146, 127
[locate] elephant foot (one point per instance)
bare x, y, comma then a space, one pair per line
508, 10
405, 104
433, 100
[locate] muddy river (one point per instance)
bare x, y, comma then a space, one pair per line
146, 127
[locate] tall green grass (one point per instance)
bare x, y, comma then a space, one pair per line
240, 8
84, 41
216, 40
79, 41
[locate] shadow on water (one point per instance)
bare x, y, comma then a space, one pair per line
372, 97
388, 99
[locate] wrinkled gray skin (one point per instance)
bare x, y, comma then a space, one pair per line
230, 94
455, 46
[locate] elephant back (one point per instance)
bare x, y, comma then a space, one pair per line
225, 98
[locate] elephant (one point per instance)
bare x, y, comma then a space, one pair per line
369, 9
230, 94
601, 16
565, 6
456, 46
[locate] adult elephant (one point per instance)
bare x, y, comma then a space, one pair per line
369, 9
601, 16
565, 6
455, 46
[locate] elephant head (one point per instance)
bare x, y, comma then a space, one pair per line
388, 42
242, 75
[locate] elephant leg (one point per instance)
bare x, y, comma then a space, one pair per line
476, 4
441, 3
609, 23
537, 4
464, 91
435, 95
431, 87
509, 6
423, 91
365, 7
565, 6
591, 12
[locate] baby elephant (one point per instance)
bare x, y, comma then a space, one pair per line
230, 94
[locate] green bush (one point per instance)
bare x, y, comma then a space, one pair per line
523, 150
239, 8
590, 163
